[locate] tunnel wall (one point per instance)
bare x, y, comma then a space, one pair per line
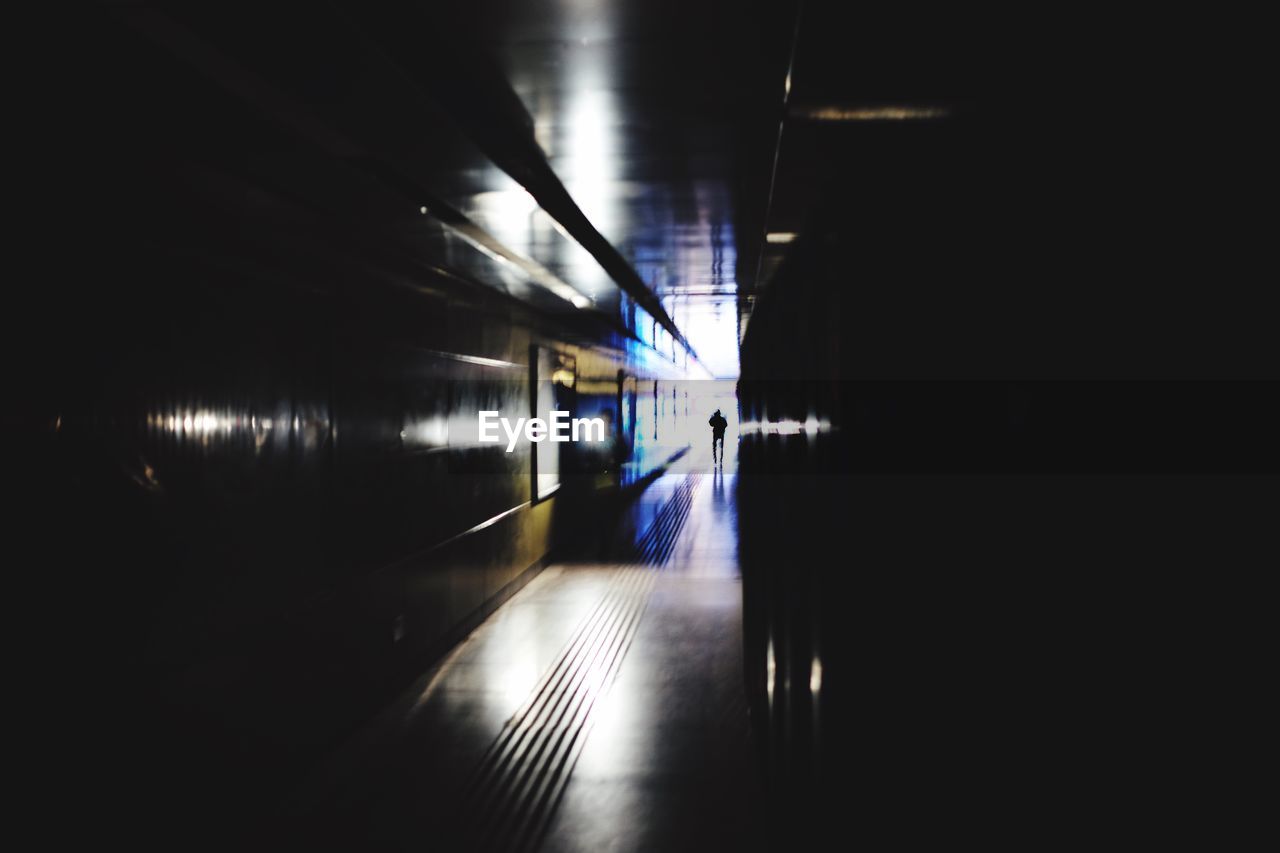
238, 412
992, 514
253, 495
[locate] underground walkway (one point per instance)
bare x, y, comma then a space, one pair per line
601, 708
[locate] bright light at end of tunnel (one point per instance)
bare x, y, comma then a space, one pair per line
714, 338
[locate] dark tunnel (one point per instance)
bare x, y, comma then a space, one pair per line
635, 425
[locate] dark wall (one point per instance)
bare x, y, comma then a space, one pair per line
1003, 568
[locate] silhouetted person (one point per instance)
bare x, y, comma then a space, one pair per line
718, 426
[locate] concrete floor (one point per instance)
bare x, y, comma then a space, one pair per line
600, 709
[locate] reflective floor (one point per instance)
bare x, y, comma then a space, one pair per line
601, 708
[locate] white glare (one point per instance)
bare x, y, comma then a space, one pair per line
771, 671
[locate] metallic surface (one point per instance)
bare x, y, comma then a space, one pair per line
650, 113
301, 270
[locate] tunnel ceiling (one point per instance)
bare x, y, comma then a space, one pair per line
659, 118
699, 136
862, 83
580, 154
583, 157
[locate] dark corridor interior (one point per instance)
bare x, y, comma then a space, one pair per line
991, 352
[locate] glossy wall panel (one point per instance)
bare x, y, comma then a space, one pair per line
247, 378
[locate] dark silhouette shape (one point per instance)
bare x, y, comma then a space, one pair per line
718, 426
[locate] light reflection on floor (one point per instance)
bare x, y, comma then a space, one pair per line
665, 763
